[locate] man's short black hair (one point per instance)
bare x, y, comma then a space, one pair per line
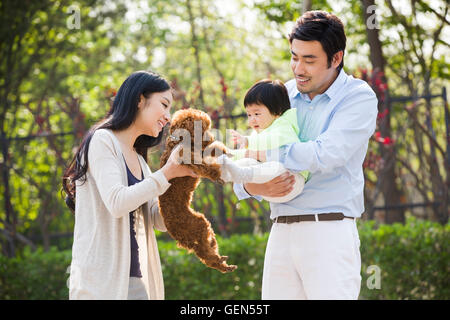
324, 27
271, 93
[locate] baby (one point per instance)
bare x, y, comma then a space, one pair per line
274, 124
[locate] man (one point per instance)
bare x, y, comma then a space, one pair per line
313, 247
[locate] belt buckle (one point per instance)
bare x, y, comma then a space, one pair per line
280, 219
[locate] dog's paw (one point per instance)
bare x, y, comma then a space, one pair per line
229, 268
224, 267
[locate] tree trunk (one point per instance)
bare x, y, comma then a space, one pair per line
389, 189
11, 220
306, 5
195, 45
438, 184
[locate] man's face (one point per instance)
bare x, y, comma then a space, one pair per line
310, 66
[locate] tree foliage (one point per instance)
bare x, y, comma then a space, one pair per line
57, 80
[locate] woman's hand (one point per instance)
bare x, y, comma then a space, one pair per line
277, 187
173, 167
238, 139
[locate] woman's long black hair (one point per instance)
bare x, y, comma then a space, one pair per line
121, 115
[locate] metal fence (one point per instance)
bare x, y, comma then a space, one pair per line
221, 123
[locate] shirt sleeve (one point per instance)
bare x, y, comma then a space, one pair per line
156, 217
118, 198
240, 192
351, 126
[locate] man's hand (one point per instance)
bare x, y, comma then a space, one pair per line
277, 187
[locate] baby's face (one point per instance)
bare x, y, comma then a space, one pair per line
259, 117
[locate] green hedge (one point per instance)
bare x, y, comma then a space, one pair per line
413, 260
185, 277
35, 275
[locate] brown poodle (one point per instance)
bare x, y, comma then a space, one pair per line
189, 228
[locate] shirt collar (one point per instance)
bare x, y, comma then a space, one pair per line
336, 85
330, 92
296, 94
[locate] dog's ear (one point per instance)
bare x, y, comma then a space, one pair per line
206, 121
188, 124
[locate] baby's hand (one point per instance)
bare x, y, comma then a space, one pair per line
238, 140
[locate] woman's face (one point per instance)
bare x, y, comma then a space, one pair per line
154, 113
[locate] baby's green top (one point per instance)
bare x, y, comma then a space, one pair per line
282, 131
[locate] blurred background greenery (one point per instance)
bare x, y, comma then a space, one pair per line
62, 62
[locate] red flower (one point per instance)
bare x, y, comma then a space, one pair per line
388, 141
383, 114
215, 115
40, 120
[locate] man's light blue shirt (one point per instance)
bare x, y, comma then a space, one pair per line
335, 128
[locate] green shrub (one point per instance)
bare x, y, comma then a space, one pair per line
185, 277
35, 275
413, 260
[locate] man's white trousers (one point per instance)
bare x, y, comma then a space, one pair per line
312, 260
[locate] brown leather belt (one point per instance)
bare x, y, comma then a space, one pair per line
332, 216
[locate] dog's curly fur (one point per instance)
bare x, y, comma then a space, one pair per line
189, 228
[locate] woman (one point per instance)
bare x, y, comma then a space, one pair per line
114, 254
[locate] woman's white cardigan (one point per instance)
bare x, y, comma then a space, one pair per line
100, 267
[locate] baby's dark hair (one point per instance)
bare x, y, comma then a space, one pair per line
271, 93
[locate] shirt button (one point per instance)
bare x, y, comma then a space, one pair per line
310, 108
